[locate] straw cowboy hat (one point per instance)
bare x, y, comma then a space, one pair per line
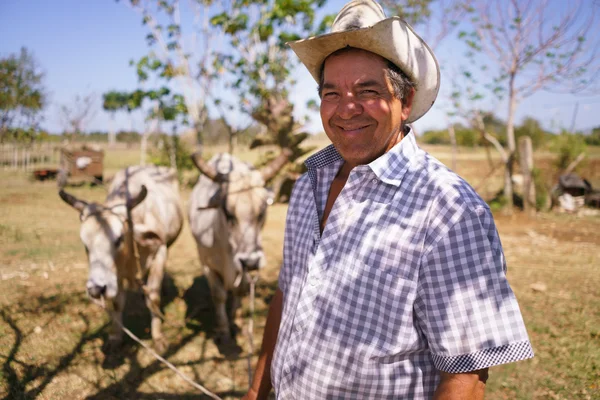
362, 24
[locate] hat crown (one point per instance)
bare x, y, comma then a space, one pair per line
358, 14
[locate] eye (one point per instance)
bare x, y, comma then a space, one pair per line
119, 241
368, 93
330, 96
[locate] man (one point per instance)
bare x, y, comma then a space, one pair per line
393, 283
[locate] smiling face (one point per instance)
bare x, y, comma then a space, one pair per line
360, 114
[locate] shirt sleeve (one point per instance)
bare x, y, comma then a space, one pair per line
465, 306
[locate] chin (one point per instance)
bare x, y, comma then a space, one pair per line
356, 158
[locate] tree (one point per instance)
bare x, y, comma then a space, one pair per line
531, 127
22, 92
171, 108
593, 139
256, 32
181, 52
78, 114
529, 47
433, 19
113, 101
258, 68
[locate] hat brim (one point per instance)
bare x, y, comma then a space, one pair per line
407, 50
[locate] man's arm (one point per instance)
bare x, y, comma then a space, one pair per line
465, 386
261, 384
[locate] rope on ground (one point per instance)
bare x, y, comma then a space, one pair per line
161, 359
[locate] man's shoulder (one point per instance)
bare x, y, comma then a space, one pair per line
301, 190
443, 184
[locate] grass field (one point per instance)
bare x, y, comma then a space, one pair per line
51, 336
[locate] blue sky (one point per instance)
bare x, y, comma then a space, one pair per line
85, 47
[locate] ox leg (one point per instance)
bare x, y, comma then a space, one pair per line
219, 298
152, 292
235, 303
115, 311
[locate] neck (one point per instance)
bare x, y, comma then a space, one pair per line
347, 166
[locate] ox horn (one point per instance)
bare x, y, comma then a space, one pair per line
271, 169
73, 201
131, 204
205, 168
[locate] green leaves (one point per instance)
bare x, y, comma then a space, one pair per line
22, 92
230, 25
258, 64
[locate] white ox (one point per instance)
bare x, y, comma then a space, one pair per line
227, 210
148, 199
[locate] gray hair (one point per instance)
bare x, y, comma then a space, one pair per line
401, 83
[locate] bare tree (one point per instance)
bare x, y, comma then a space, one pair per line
78, 114
433, 19
535, 45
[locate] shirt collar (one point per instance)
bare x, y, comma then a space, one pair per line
389, 168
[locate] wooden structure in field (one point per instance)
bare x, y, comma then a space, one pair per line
81, 164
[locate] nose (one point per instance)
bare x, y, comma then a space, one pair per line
96, 291
250, 264
348, 107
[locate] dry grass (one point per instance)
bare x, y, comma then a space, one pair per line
51, 336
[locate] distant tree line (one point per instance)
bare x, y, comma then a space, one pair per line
466, 136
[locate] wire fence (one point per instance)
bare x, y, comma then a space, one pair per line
27, 157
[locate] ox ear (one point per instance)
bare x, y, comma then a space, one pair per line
147, 237
132, 203
73, 201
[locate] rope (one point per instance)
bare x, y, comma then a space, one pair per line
250, 331
207, 392
171, 366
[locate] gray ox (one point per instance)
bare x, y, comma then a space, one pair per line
227, 211
148, 199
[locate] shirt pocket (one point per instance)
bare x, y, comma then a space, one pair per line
378, 304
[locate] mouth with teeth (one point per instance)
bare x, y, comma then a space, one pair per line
351, 129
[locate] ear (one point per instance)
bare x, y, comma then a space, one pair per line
147, 237
407, 104
73, 201
138, 199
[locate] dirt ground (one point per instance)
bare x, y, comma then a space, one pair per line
52, 337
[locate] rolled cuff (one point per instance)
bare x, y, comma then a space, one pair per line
484, 358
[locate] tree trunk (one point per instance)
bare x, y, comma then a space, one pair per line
111, 133
526, 161
510, 137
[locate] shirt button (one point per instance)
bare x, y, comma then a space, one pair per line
298, 328
374, 180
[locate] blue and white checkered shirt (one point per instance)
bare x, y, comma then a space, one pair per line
408, 278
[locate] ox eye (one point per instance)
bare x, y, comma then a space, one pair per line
119, 241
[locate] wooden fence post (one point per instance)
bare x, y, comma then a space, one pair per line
526, 161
